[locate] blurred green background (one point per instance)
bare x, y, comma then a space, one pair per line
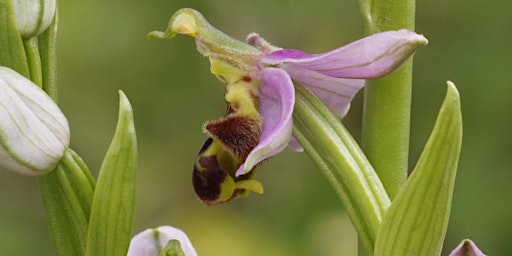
102, 48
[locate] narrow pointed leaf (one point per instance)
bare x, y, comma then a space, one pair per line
113, 205
342, 161
48, 51
417, 219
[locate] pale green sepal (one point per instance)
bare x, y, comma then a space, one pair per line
111, 220
34, 60
173, 248
190, 22
416, 221
12, 52
337, 154
67, 194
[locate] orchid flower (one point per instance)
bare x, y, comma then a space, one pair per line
164, 240
260, 94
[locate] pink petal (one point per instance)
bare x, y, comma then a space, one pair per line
370, 57
336, 93
467, 248
277, 98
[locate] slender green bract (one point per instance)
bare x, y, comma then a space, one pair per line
416, 221
111, 221
336, 153
67, 195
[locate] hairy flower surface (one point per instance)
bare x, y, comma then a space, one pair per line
34, 133
260, 80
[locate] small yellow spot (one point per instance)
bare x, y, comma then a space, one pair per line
250, 185
185, 24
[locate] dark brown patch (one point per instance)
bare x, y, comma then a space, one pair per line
238, 133
207, 183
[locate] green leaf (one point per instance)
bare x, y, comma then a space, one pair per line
110, 227
12, 52
67, 196
336, 153
417, 219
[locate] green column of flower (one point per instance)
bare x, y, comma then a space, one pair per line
387, 103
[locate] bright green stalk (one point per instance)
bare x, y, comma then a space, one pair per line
336, 153
387, 102
33, 60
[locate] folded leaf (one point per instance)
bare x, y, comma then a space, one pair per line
110, 226
67, 195
338, 156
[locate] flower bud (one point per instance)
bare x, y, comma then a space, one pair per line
33, 17
34, 133
151, 241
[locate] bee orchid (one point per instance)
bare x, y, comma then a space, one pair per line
260, 94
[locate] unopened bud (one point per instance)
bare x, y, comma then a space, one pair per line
33, 17
34, 133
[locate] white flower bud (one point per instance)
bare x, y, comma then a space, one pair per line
150, 241
33, 17
34, 133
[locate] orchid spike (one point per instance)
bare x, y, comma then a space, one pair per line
260, 94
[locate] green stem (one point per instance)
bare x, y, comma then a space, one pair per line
387, 103
345, 166
68, 190
34, 60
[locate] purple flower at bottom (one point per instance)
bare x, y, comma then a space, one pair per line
151, 242
260, 94
467, 248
